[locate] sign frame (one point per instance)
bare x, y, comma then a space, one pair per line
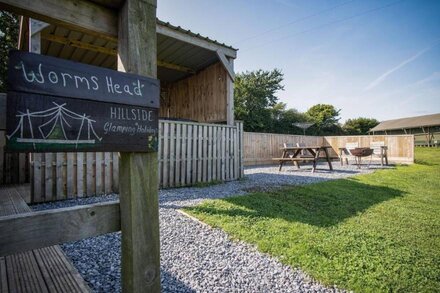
56, 105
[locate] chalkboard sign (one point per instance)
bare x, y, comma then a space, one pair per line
58, 105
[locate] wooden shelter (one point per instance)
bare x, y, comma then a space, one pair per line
196, 72
199, 139
426, 128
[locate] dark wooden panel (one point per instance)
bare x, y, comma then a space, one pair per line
35, 73
39, 123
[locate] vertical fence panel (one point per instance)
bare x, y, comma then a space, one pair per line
48, 187
183, 144
178, 157
166, 154
172, 154
204, 153
70, 175
228, 153
223, 151
194, 153
214, 153
209, 154
60, 179
98, 178
90, 169
107, 173
189, 154
36, 196
115, 168
80, 174
200, 152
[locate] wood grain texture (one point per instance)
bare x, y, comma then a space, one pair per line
78, 15
201, 97
140, 263
40, 270
44, 228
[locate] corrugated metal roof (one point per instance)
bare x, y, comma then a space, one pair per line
188, 32
410, 122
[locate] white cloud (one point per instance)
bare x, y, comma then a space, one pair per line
384, 76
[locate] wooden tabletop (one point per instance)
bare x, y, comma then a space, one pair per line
307, 147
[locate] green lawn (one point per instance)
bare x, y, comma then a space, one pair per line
369, 233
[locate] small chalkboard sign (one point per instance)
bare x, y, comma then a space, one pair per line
58, 105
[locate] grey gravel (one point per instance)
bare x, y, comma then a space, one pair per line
196, 257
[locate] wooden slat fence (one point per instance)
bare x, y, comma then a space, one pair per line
400, 147
57, 176
189, 153
260, 148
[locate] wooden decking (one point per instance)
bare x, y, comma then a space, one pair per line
40, 270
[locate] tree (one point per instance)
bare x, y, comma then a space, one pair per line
254, 96
8, 40
283, 119
359, 126
326, 118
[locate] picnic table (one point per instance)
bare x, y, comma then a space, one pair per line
295, 155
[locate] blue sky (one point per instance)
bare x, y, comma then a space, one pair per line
378, 59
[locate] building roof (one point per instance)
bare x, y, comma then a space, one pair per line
180, 52
410, 122
188, 32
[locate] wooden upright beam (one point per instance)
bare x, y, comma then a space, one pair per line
138, 181
230, 95
80, 15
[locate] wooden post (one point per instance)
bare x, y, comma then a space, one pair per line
230, 95
138, 171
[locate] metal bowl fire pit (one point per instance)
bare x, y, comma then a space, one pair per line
358, 153
362, 152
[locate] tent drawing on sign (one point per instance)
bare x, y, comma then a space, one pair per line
53, 127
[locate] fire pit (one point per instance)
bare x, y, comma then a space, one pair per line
358, 153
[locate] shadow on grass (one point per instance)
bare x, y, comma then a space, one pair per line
323, 204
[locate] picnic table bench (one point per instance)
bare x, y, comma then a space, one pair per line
293, 154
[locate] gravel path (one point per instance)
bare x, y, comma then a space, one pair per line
195, 257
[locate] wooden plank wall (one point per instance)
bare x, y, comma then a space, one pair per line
189, 153
260, 148
400, 147
201, 97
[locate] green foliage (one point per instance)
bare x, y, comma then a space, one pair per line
370, 233
8, 40
254, 95
283, 119
326, 119
359, 126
